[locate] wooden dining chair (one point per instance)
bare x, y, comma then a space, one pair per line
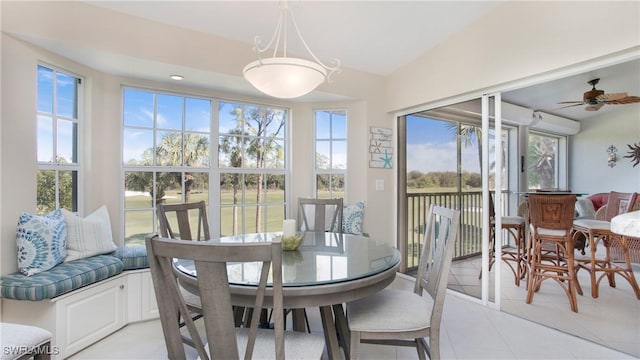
513, 256
551, 221
179, 217
403, 318
223, 339
320, 215
599, 231
175, 222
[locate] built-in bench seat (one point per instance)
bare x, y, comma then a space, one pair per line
61, 279
84, 300
72, 275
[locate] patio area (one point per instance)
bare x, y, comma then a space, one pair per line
611, 320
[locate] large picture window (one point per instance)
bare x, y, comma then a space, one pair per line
166, 155
251, 160
58, 147
177, 148
331, 153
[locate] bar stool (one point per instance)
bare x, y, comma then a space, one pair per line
551, 218
514, 257
597, 231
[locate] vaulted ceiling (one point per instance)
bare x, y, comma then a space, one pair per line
377, 37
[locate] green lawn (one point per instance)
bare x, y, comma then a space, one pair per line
140, 222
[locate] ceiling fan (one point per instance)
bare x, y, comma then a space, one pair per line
594, 99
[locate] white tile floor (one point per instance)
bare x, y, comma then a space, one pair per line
612, 319
469, 331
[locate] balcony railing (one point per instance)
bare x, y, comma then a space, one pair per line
470, 206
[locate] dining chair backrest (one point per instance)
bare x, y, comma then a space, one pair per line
179, 217
555, 212
320, 215
210, 261
619, 203
440, 237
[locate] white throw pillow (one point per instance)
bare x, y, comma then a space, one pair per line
88, 236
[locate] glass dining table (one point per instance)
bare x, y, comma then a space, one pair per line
327, 270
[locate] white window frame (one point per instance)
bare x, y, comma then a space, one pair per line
561, 165
214, 170
79, 121
331, 170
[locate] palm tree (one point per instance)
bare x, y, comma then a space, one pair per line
262, 125
187, 149
542, 158
233, 145
174, 149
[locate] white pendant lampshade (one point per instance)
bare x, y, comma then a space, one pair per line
282, 76
285, 78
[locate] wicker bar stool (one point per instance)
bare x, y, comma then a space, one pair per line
551, 218
513, 256
597, 231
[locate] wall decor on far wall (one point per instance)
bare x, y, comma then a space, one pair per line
634, 154
380, 150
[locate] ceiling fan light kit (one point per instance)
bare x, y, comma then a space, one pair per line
286, 77
595, 99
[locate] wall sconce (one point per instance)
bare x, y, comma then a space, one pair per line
612, 158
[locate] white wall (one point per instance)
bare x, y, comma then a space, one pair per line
589, 170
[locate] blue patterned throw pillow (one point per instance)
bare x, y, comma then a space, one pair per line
42, 242
352, 217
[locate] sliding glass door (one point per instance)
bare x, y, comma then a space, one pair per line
442, 162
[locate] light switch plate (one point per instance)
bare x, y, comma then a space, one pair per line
379, 184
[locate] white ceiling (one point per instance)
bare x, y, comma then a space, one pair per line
371, 36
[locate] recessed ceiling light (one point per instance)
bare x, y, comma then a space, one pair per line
176, 77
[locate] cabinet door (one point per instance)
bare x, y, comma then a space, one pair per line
90, 315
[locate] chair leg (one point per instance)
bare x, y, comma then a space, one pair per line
421, 351
354, 345
44, 352
628, 273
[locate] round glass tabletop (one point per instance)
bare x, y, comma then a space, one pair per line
322, 258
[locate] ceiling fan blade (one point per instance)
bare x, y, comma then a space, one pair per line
594, 107
568, 106
611, 97
625, 100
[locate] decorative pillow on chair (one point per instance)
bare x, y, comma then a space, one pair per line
88, 236
41, 241
352, 217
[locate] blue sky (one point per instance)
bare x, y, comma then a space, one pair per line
65, 87
432, 147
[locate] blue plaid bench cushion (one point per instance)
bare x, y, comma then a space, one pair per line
60, 279
133, 256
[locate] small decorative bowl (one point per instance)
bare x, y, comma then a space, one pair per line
291, 243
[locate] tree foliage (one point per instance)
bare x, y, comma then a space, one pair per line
174, 149
442, 179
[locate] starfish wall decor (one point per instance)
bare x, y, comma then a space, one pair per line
634, 154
